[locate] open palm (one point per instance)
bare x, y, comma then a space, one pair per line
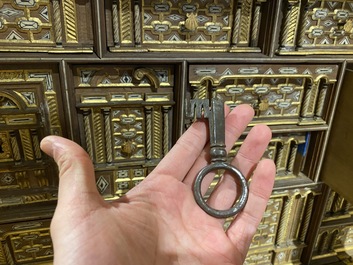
159, 222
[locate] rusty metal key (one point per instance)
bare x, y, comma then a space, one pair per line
213, 110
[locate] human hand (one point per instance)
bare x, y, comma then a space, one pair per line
158, 222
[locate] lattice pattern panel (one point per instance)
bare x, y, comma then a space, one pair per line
24, 122
317, 27
44, 26
279, 94
179, 25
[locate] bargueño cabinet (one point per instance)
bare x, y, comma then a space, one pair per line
113, 76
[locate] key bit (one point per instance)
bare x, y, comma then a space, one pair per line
197, 108
213, 110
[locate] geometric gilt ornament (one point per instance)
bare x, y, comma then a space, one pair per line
127, 111
279, 94
317, 27
43, 26
26, 243
185, 25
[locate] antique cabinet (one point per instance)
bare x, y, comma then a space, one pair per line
114, 76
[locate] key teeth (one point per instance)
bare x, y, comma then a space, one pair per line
197, 108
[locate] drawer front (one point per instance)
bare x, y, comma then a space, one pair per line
291, 153
26, 243
125, 116
333, 240
280, 236
185, 25
117, 182
45, 26
317, 27
280, 94
29, 109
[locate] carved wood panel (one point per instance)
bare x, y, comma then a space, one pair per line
332, 240
289, 152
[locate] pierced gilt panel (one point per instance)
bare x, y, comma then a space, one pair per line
25, 243
28, 111
44, 26
185, 25
279, 94
317, 27
126, 122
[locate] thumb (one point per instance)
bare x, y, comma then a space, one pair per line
76, 172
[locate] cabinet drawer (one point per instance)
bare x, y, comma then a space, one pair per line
45, 26
280, 94
280, 236
26, 243
125, 120
186, 25
317, 27
30, 101
333, 241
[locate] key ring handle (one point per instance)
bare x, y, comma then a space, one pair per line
240, 202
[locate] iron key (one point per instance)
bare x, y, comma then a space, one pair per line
213, 110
